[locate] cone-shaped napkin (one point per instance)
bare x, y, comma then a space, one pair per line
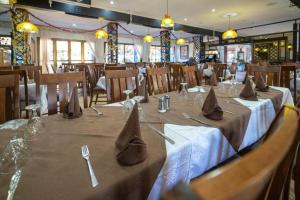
143, 91
248, 93
211, 108
131, 149
213, 80
72, 109
261, 85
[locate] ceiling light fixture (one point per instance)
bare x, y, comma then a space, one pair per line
185, 19
290, 46
167, 21
27, 27
74, 25
229, 33
180, 41
101, 34
112, 2
213, 10
148, 38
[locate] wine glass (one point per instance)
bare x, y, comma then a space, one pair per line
35, 122
15, 152
198, 100
138, 100
222, 84
128, 104
233, 79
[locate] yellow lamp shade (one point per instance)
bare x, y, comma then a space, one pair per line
180, 41
265, 50
257, 49
290, 46
167, 22
229, 34
148, 38
275, 44
282, 43
101, 34
27, 27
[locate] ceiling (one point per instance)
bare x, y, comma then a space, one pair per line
197, 13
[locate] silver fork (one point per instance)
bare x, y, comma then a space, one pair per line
187, 116
86, 155
98, 112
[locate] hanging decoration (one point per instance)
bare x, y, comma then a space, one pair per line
101, 34
27, 27
230, 33
180, 41
167, 21
148, 38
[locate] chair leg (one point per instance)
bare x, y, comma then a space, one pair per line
91, 99
97, 96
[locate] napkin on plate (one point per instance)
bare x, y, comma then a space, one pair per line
261, 85
131, 149
211, 108
213, 80
248, 93
72, 108
143, 91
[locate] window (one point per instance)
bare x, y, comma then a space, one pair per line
127, 53
67, 51
155, 54
76, 52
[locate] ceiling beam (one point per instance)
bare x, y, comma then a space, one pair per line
92, 12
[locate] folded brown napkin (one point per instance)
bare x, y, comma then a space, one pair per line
72, 108
261, 85
213, 80
248, 93
211, 108
143, 91
131, 149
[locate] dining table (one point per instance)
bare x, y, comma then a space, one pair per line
55, 169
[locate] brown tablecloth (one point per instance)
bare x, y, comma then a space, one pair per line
56, 170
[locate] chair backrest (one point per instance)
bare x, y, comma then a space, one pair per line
92, 77
63, 83
285, 76
176, 74
254, 175
158, 80
219, 70
69, 67
271, 73
9, 95
115, 67
32, 72
190, 75
119, 80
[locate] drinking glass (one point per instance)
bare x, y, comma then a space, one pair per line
34, 123
128, 104
138, 99
222, 84
183, 94
15, 152
198, 100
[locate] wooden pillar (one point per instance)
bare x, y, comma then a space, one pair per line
20, 41
112, 42
298, 42
165, 44
295, 42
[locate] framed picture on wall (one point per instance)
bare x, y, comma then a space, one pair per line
184, 52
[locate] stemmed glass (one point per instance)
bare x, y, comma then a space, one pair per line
183, 92
128, 104
35, 122
15, 152
222, 84
138, 100
198, 100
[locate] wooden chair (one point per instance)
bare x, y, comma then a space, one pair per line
64, 84
259, 174
176, 75
270, 73
94, 89
190, 75
116, 67
158, 80
117, 81
9, 95
219, 70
